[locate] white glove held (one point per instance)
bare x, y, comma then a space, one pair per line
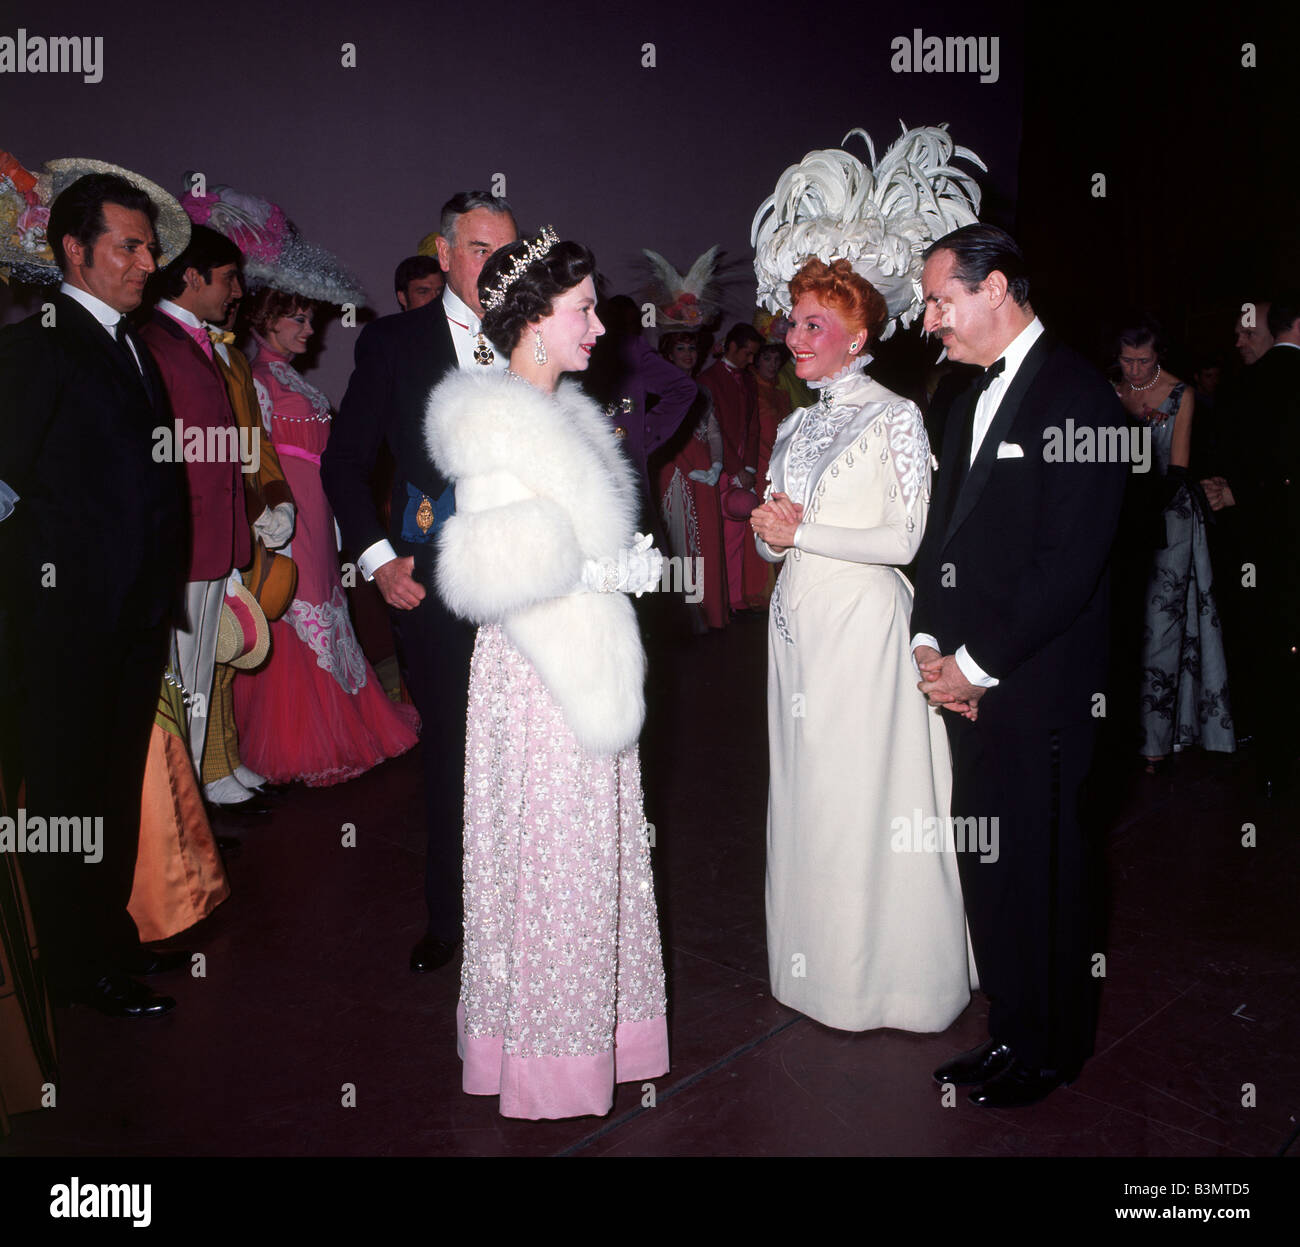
275, 525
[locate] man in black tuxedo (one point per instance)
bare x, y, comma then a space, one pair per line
1010, 632
94, 557
399, 359
1259, 493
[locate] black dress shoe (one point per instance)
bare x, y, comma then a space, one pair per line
979, 1065
146, 961
1017, 1086
432, 954
120, 997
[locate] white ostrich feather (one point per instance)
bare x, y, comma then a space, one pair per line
832, 206
670, 285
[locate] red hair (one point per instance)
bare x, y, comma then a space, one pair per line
836, 286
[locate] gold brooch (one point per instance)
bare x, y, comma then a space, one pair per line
424, 515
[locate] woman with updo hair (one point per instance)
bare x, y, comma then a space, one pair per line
865, 924
1184, 694
562, 986
316, 712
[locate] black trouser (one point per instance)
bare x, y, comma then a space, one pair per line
87, 710
434, 649
1032, 912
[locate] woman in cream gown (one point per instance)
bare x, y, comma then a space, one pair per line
865, 922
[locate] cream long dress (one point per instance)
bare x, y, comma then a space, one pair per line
865, 923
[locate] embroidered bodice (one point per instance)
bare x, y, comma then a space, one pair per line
294, 411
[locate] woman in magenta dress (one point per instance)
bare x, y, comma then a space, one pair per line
316, 712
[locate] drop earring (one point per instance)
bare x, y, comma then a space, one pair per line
539, 347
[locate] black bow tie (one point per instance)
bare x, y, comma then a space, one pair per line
993, 370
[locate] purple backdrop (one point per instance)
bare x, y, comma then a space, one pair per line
553, 97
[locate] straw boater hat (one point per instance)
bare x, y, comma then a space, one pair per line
881, 219
26, 198
243, 635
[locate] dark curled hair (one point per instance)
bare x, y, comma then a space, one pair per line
981, 249
1283, 309
79, 210
1144, 330
531, 295
206, 250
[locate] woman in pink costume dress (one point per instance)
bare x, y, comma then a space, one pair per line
562, 985
316, 712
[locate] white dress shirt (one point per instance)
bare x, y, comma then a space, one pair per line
107, 316
465, 328
986, 407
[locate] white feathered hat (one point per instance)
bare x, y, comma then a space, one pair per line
830, 205
684, 302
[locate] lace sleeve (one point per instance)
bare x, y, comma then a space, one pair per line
897, 540
264, 405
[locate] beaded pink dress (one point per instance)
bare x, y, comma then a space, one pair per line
315, 712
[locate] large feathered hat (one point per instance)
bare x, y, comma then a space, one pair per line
683, 302
880, 219
275, 253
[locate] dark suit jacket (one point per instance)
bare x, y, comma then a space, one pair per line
196, 389
399, 359
76, 443
1024, 542
1266, 435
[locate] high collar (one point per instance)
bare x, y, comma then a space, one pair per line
834, 384
182, 316
101, 311
265, 348
457, 310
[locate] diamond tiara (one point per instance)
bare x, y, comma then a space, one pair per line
539, 247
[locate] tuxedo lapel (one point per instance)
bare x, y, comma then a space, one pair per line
976, 478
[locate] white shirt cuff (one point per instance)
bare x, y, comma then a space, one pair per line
922, 638
973, 671
374, 557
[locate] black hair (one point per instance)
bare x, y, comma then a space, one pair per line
782, 352
1283, 309
79, 210
742, 335
532, 293
412, 269
982, 249
207, 249
1143, 330
466, 201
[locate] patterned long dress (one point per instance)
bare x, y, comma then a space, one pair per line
1184, 672
562, 986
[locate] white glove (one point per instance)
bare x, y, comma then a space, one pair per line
707, 478
637, 569
275, 525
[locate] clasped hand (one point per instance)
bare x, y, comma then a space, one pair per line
776, 520
944, 685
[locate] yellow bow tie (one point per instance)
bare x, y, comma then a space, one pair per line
217, 335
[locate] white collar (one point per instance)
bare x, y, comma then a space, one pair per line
178, 313
1018, 348
856, 364
1295, 346
107, 316
458, 312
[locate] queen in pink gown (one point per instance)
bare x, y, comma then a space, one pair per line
562, 986
315, 712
